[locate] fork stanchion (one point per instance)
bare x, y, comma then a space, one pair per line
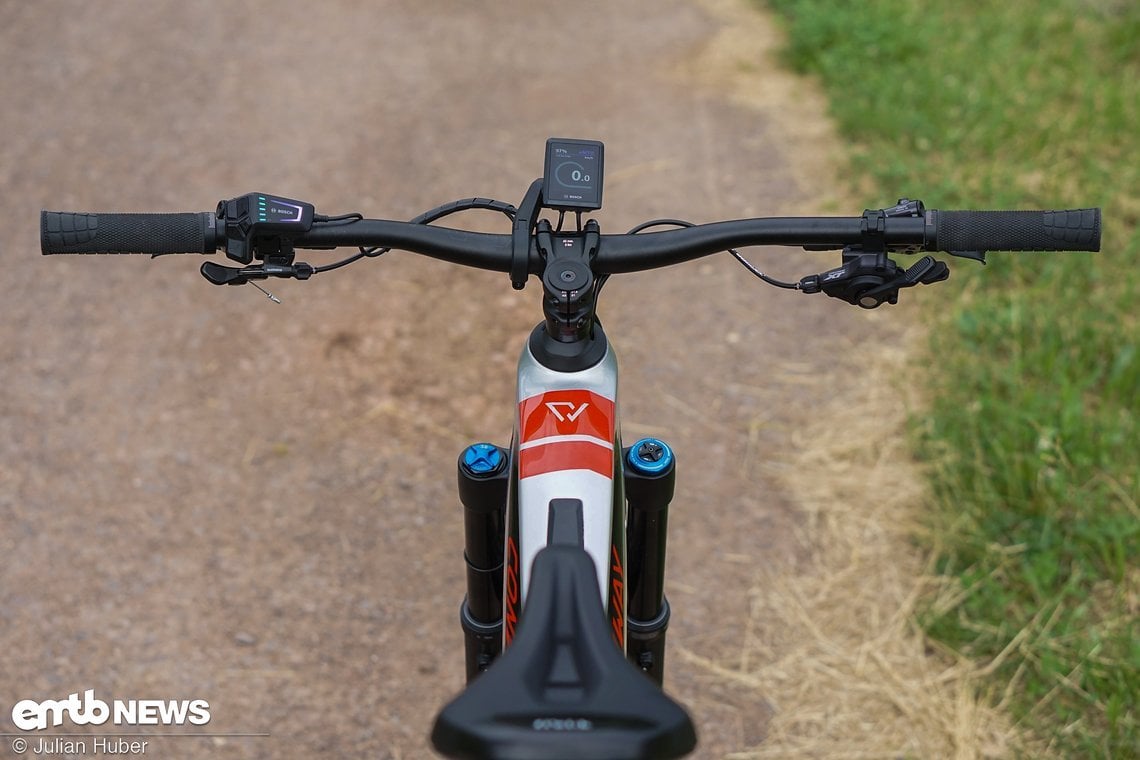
650, 477
483, 480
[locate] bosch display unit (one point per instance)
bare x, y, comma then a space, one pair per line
572, 179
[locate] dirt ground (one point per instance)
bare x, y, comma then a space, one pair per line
204, 495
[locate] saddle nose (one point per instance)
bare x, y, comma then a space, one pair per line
563, 690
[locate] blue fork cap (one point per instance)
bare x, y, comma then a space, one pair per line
650, 456
482, 458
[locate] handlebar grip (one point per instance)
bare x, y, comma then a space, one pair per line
1073, 230
153, 234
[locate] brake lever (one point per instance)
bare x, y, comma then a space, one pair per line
220, 275
223, 275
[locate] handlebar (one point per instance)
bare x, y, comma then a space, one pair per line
931, 230
946, 231
574, 264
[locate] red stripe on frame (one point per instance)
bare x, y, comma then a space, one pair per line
557, 456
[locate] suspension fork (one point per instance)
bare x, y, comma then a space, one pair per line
649, 473
650, 476
484, 475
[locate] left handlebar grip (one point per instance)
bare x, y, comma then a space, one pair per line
153, 234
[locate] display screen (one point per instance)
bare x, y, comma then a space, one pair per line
573, 175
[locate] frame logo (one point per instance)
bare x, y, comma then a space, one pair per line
574, 413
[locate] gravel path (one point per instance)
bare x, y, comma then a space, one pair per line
204, 495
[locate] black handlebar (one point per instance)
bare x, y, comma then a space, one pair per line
950, 231
633, 253
474, 249
271, 229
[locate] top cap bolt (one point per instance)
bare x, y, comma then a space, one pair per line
650, 451
650, 456
482, 459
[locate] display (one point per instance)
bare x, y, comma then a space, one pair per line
572, 180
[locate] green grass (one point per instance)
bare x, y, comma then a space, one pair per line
1033, 374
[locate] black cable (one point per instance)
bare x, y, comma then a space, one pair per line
660, 223
735, 253
342, 219
467, 204
770, 280
364, 252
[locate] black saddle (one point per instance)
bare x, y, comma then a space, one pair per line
563, 690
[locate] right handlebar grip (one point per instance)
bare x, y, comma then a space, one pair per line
153, 234
1074, 230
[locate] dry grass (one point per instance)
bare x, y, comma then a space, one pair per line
832, 642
